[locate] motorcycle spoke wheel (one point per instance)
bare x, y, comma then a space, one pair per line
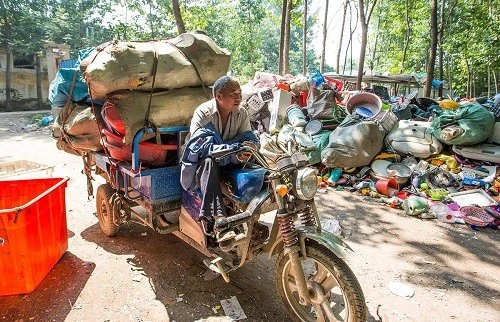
334, 292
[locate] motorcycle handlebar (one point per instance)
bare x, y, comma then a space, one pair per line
225, 152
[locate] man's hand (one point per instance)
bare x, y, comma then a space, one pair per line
245, 156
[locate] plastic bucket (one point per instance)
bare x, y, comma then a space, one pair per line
387, 187
370, 104
295, 116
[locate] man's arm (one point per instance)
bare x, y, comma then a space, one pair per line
197, 121
245, 132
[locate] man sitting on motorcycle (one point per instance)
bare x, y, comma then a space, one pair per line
217, 124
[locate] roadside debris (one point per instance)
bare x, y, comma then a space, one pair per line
232, 308
400, 289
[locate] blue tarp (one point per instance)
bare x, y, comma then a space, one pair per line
60, 86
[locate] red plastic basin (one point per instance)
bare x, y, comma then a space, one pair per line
150, 153
112, 117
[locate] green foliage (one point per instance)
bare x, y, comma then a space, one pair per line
470, 39
249, 29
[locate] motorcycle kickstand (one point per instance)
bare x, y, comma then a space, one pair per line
216, 266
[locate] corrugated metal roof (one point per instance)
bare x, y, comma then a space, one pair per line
68, 63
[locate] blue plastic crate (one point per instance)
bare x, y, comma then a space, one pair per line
158, 185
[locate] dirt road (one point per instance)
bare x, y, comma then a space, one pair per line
142, 276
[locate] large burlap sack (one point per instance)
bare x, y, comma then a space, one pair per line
354, 143
130, 65
76, 129
168, 108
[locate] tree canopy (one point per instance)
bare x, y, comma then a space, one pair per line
398, 33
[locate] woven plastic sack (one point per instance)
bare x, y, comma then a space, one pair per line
61, 84
168, 108
475, 120
354, 143
321, 105
76, 129
190, 59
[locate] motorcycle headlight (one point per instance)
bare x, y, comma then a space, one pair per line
306, 183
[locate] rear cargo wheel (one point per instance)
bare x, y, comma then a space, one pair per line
105, 210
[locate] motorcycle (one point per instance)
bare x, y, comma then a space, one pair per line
312, 279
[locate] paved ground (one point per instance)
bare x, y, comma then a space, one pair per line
142, 276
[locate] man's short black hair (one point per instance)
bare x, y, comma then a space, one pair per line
221, 84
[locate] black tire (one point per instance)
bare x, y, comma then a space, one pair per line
335, 270
105, 210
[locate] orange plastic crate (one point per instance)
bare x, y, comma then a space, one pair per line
33, 231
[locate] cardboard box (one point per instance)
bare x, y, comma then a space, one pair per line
277, 107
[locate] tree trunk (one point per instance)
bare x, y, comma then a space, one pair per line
407, 36
38, 73
8, 76
286, 41
473, 83
178, 17
323, 45
364, 19
432, 54
337, 68
374, 52
441, 54
6, 45
351, 33
468, 78
497, 90
304, 41
282, 37
362, 52
489, 79
450, 85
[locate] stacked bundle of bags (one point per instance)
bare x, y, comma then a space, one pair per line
157, 83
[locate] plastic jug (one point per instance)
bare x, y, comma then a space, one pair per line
414, 206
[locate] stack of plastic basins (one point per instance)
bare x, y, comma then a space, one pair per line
150, 153
33, 231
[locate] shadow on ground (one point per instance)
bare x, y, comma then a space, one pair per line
54, 297
376, 225
176, 272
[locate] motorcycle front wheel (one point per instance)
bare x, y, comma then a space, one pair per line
334, 291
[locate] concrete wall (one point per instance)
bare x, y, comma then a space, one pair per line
23, 82
54, 53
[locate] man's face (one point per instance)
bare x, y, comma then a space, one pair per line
230, 99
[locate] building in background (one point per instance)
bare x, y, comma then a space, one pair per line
23, 74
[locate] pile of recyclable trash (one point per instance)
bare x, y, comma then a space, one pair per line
432, 158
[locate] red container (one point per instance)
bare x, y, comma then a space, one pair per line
112, 117
303, 98
388, 187
334, 83
150, 153
33, 231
